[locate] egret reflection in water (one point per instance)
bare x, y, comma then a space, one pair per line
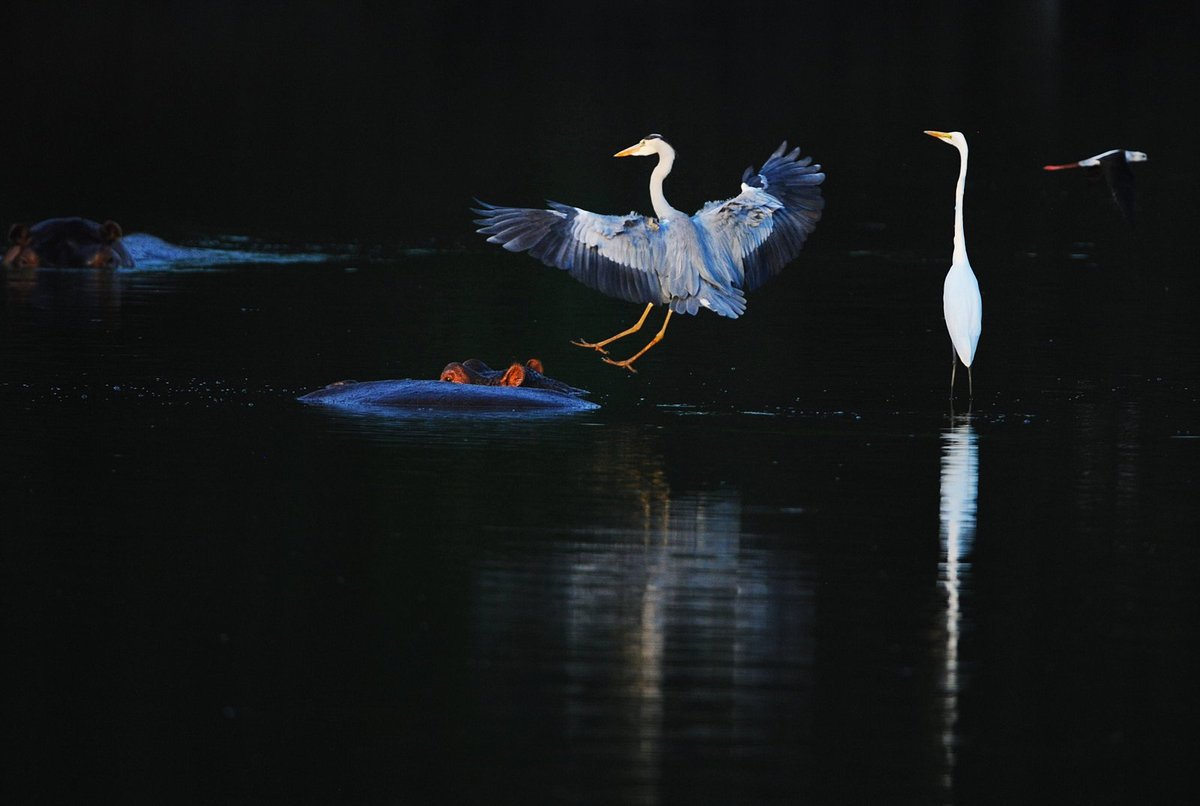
959, 497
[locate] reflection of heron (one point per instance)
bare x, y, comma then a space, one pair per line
960, 494
669, 631
1114, 166
707, 260
961, 303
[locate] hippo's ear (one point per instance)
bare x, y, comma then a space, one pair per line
110, 231
535, 365
513, 376
19, 234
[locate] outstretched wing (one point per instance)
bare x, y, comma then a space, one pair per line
613, 254
764, 227
1119, 176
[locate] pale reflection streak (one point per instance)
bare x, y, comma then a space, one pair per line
959, 497
680, 585
661, 634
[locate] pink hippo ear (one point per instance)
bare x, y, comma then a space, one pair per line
535, 365
19, 234
513, 376
110, 231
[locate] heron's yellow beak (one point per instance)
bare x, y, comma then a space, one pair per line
628, 151
943, 135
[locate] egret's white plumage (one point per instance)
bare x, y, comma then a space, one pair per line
707, 260
961, 302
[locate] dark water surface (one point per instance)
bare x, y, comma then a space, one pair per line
773, 566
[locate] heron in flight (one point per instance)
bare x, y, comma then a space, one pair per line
961, 303
1114, 165
707, 260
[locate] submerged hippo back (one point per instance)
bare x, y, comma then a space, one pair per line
433, 396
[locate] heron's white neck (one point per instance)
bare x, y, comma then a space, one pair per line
960, 240
666, 158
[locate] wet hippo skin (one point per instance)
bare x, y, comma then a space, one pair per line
467, 387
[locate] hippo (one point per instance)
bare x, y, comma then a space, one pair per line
82, 243
473, 388
67, 243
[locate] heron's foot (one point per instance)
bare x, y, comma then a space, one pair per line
627, 363
598, 347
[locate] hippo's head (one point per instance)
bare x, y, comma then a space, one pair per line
454, 372
475, 371
67, 243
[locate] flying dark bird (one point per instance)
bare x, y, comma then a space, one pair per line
961, 303
1114, 166
707, 260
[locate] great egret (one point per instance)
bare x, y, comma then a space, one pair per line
1114, 166
961, 303
707, 260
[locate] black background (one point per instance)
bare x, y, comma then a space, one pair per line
380, 122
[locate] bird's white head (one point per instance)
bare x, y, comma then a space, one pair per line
956, 139
648, 146
1135, 156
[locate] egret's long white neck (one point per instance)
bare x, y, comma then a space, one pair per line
666, 158
960, 240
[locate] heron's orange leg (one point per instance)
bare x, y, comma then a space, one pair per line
628, 362
599, 346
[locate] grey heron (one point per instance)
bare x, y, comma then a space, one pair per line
707, 260
961, 302
1114, 166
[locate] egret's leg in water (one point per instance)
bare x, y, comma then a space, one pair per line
953, 368
628, 362
599, 345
